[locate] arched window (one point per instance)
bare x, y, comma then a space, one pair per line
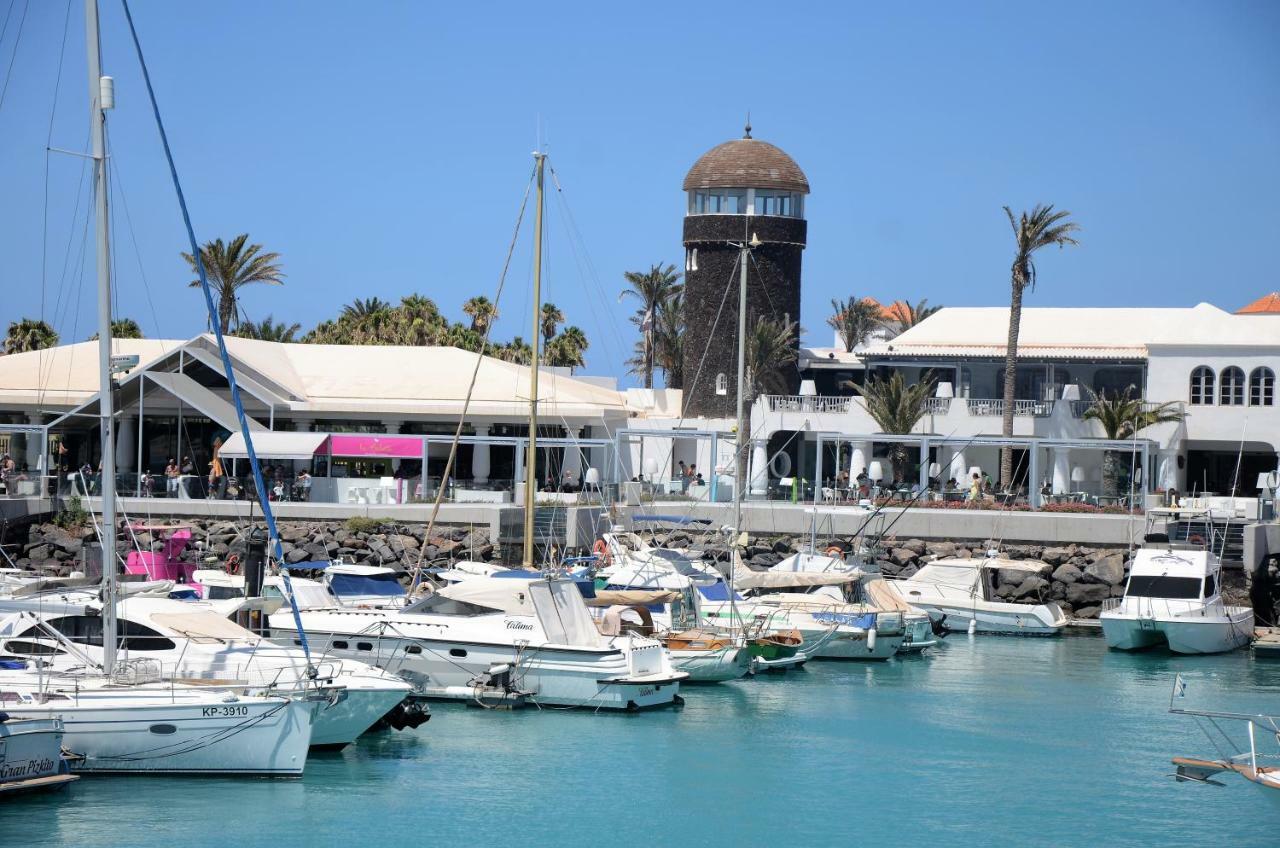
1262, 387
1231, 390
1202, 385
722, 383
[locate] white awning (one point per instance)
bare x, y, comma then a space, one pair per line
789, 579
273, 444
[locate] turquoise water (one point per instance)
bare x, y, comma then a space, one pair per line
1007, 741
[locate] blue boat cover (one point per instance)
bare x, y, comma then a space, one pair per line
866, 620
718, 592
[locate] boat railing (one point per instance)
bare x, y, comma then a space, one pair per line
1111, 604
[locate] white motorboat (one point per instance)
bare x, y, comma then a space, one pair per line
190, 641
962, 593
499, 640
1172, 597
1245, 759
135, 723
870, 591
31, 755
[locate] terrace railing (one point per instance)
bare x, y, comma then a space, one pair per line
808, 403
1080, 407
995, 406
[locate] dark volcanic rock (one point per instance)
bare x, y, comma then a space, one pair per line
1087, 594
1109, 570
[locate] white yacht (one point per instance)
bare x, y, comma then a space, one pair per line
1172, 597
962, 593
31, 755
136, 723
498, 640
191, 642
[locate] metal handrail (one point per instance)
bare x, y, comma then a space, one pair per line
995, 406
808, 403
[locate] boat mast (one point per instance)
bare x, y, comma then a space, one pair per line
740, 467
531, 456
98, 86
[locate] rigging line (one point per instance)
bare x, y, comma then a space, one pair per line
63, 278
466, 404
133, 236
8, 14
274, 536
17, 40
44, 217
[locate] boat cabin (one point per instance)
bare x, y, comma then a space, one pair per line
1174, 574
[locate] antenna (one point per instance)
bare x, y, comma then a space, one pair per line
746, 132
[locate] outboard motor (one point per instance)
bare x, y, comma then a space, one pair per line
938, 624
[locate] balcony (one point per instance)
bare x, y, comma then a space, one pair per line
807, 403
995, 407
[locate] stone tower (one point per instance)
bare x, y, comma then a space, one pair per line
741, 190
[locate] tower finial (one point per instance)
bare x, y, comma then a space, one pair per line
746, 133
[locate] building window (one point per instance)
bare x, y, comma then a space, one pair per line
722, 383
725, 201
781, 203
1262, 387
1231, 392
1202, 386
693, 259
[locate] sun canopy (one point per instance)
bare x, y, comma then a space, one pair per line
275, 445
791, 579
629, 597
204, 626
510, 596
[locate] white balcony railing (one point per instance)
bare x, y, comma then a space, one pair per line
808, 403
995, 406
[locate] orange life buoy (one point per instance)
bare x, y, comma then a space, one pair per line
835, 551
233, 564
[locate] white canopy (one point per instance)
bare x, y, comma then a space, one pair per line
791, 579
505, 594
274, 445
201, 625
811, 562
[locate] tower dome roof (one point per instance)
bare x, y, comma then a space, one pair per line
746, 163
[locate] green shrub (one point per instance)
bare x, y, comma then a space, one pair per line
361, 524
73, 514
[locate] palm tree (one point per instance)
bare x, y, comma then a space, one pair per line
269, 330
418, 322
566, 350
518, 351
896, 408
652, 288
771, 346
123, 328
854, 320
902, 316
668, 341
364, 308
1040, 228
29, 334
552, 318
232, 266
482, 313
1121, 417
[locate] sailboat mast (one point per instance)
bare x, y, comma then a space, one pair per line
106, 411
531, 454
740, 467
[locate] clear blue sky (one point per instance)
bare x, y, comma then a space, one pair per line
382, 148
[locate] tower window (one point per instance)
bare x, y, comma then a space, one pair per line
722, 383
1262, 387
725, 201
693, 259
1232, 389
1202, 386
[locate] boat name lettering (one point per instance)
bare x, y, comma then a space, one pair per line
224, 712
518, 625
29, 768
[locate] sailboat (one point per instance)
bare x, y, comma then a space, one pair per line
125, 717
516, 637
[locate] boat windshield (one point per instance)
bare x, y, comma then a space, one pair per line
1160, 586
348, 585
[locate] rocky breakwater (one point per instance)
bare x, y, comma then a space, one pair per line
55, 550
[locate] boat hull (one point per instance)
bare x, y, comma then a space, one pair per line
340, 723
995, 622
207, 736
715, 666
31, 756
1183, 636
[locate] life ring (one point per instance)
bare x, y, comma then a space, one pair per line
835, 551
233, 564
780, 464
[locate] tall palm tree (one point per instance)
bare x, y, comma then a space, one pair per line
363, 308
518, 351
566, 350
122, 328
1031, 232
29, 334
652, 288
668, 340
232, 266
269, 330
481, 311
896, 408
902, 316
418, 322
854, 320
552, 318
1121, 417
771, 347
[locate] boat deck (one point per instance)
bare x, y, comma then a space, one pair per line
35, 784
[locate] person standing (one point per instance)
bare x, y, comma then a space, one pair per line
975, 489
171, 474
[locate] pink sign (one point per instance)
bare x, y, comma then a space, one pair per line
357, 444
